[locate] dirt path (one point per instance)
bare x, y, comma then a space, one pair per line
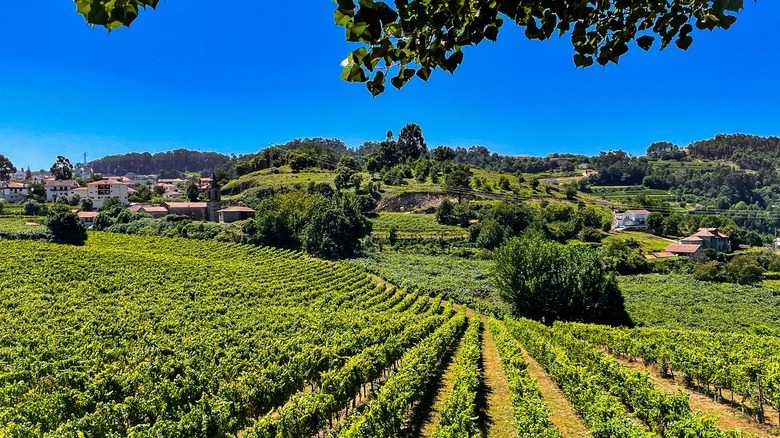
496, 407
728, 417
563, 415
438, 389
427, 412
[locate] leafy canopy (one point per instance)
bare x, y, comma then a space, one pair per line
414, 37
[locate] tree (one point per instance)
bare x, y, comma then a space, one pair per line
62, 169
334, 230
547, 281
411, 142
458, 182
419, 36
28, 175
86, 204
192, 191
443, 153
65, 226
32, 208
655, 223
6, 168
345, 170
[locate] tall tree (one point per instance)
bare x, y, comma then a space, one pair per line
411, 142
418, 36
6, 168
62, 169
458, 182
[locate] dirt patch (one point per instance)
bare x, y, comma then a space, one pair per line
410, 202
496, 416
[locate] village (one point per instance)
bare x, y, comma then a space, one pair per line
90, 193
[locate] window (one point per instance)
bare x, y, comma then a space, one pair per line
104, 190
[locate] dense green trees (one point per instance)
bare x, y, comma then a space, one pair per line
335, 228
179, 160
546, 281
65, 226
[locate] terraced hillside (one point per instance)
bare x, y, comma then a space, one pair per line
137, 336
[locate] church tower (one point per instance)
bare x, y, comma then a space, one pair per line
213, 200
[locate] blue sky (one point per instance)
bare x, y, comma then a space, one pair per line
239, 78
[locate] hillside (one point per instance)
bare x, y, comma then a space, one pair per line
148, 336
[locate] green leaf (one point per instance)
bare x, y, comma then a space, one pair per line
645, 42
583, 60
684, 42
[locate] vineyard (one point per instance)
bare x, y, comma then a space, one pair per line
147, 337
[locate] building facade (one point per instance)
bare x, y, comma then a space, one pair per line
13, 191
56, 188
100, 191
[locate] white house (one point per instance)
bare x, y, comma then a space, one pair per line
19, 175
13, 191
632, 219
56, 188
777, 242
99, 191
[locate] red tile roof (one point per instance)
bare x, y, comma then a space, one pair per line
638, 211
87, 214
682, 248
182, 205
239, 208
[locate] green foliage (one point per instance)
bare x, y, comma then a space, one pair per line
385, 414
704, 359
458, 182
224, 333
192, 191
34, 208
86, 204
532, 415
717, 307
418, 37
411, 142
619, 256
742, 269
546, 281
7, 168
335, 228
65, 226
62, 169
598, 385
459, 408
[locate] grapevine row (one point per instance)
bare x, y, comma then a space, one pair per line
459, 408
532, 415
384, 416
667, 415
748, 365
307, 412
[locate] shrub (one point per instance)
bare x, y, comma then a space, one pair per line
65, 226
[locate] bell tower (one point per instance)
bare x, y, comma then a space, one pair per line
213, 199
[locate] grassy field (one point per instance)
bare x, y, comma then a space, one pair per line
680, 302
20, 224
647, 242
413, 225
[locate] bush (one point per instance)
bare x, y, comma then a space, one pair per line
65, 226
33, 208
546, 281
